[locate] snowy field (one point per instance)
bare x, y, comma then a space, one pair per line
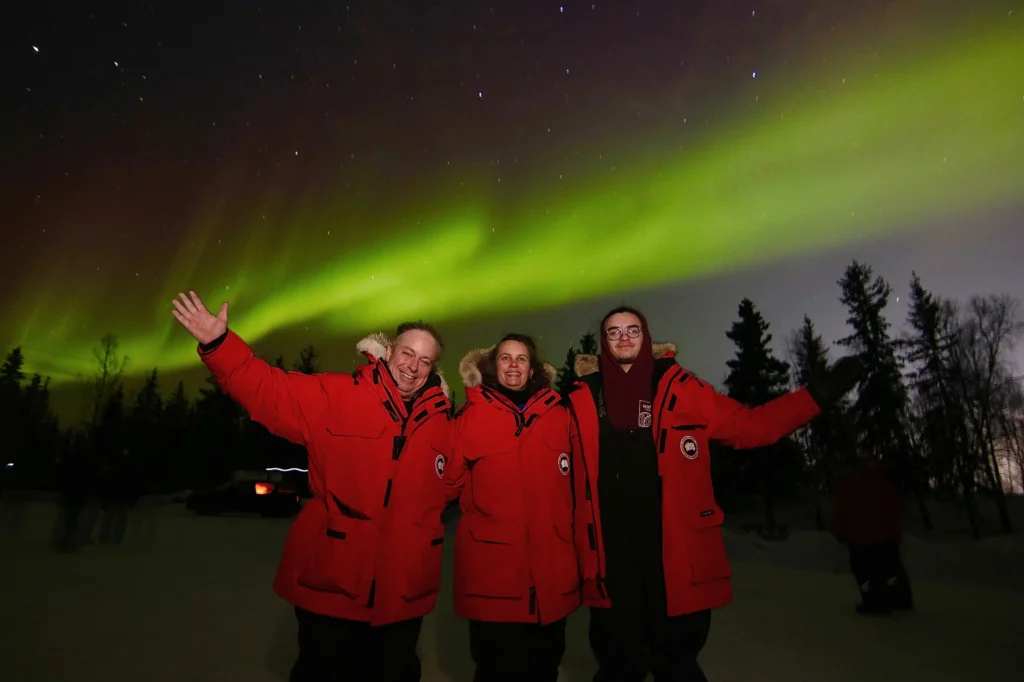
189, 598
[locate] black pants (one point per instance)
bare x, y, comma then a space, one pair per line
338, 650
627, 645
516, 652
883, 581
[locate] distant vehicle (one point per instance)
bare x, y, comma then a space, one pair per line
269, 498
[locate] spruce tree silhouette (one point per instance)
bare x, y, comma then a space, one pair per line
218, 432
309, 361
178, 456
881, 410
144, 440
12, 376
938, 416
588, 344
756, 376
825, 440
567, 372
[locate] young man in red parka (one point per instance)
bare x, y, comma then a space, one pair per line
868, 519
362, 562
648, 529
516, 575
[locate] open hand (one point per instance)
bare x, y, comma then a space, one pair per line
200, 322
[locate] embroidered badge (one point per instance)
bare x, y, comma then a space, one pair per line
563, 464
645, 419
439, 466
689, 447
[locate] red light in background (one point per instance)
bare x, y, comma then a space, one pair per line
264, 488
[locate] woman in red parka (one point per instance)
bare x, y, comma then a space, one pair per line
516, 575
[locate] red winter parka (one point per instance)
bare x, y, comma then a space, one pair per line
688, 414
514, 555
367, 546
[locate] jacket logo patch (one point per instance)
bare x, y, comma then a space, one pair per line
645, 418
439, 466
563, 464
689, 447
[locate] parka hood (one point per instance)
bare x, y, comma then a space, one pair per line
588, 364
375, 347
469, 368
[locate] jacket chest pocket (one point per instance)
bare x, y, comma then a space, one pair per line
684, 438
355, 427
355, 458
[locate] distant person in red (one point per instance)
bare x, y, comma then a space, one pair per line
867, 518
648, 528
362, 563
516, 575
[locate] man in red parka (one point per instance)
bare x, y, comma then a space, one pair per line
362, 562
648, 529
867, 518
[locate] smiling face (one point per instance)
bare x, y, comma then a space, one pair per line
410, 359
513, 365
624, 334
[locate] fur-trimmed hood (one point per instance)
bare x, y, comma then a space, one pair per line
588, 364
375, 347
469, 368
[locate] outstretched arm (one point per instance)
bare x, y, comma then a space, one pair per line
287, 403
744, 427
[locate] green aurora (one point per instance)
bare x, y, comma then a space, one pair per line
898, 147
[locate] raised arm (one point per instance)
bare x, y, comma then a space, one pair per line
287, 403
743, 427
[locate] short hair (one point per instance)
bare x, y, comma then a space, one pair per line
624, 309
420, 325
489, 367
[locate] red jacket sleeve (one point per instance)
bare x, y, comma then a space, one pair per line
457, 470
287, 403
743, 427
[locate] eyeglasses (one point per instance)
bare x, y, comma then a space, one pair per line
615, 333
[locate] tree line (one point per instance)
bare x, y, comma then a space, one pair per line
939, 403
176, 443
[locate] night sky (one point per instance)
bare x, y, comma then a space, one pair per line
333, 168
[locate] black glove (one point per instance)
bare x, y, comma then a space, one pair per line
213, 345
837, 381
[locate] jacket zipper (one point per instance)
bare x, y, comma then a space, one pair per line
404, 422
590, 497
533, 601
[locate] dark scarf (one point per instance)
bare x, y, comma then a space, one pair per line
627, 394
518, 398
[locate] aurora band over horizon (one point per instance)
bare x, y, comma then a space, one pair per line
933, 136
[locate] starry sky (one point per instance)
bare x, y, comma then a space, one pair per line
333, 168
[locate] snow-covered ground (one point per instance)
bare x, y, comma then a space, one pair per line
193, 602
